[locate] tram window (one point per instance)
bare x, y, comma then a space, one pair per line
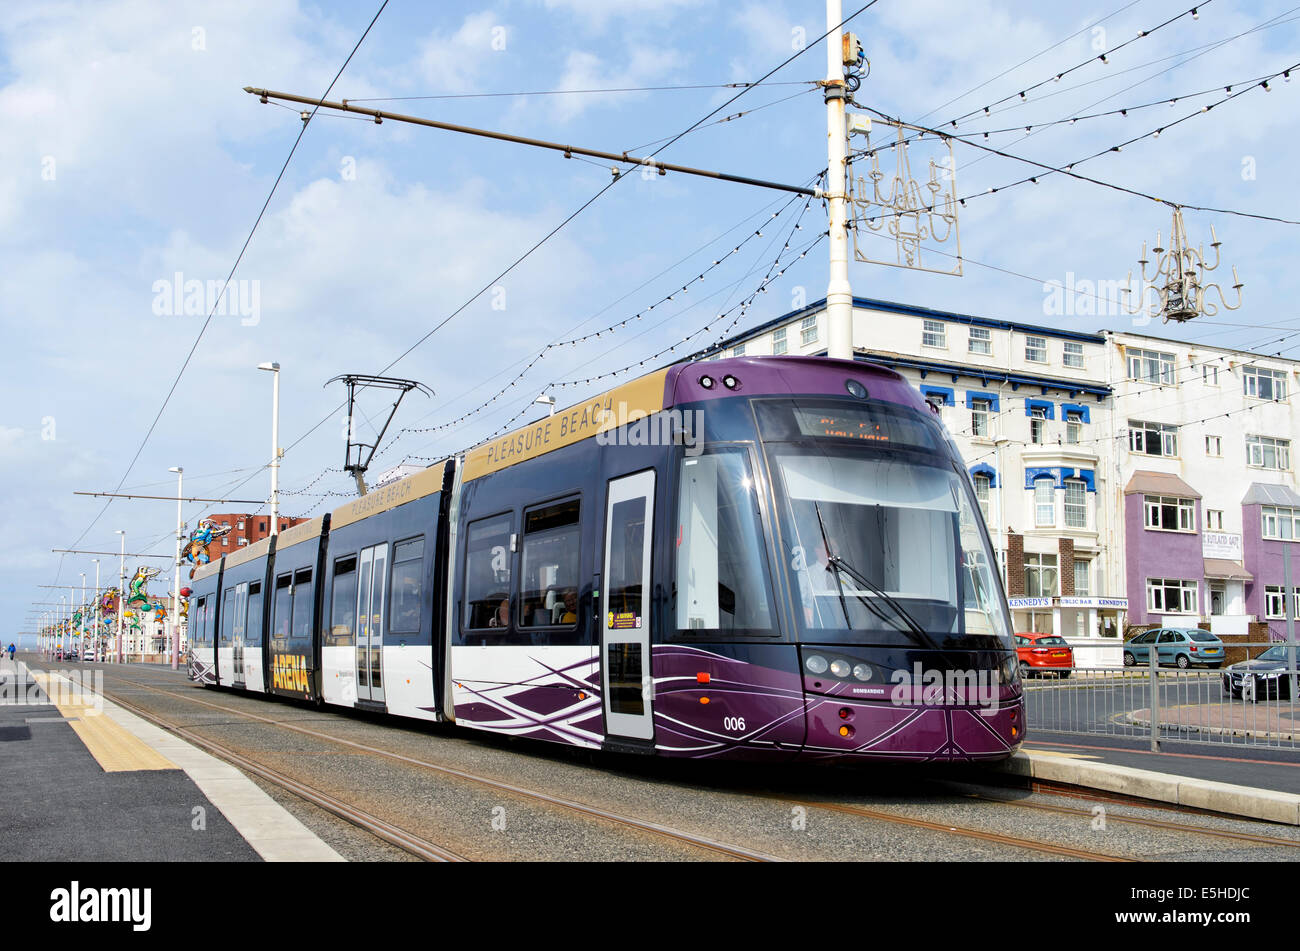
227, 617
408, 564
282, 608
343, 607
302, 604
549, 586
201, 614
626, 557
721, 582
253, 629
487, 572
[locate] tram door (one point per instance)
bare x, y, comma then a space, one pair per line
625, 624
372, 582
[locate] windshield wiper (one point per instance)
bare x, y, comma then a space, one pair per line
839, 564
830, 555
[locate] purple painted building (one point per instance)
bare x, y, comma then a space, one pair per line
1268, 524
1164, 563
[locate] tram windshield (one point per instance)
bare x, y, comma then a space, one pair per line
884, 542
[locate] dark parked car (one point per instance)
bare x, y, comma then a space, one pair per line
1263, 677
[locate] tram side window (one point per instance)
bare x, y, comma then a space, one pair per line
201, 614
253, 629
343, 607
302, 605
404, 601
721, 580
626, 558
227, 617
282, 609
487, 573
549, 587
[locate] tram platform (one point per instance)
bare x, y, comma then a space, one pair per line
1253, 783
83, 780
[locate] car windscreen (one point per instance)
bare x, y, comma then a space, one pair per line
1198, 635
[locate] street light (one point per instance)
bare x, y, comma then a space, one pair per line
275, 446
121, 593
176, 581
95, 625
82, 652
547, 401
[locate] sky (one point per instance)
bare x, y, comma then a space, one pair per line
133, 167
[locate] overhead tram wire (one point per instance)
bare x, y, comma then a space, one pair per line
1197, 52
1024, 62
1068, 169
221, 296
576, 92
1102, 57
526, 254
611, 328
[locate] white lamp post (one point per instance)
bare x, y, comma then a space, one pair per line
176, 580
95, 625
275, 446
121, 593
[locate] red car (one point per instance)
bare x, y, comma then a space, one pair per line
1044, 653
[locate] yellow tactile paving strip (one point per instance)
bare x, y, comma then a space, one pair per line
114, 748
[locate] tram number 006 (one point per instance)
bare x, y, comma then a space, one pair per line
734, 724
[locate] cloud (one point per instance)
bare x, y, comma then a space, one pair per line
456, 62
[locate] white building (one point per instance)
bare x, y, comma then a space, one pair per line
1061, 431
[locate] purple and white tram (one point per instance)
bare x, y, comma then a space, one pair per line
758, 558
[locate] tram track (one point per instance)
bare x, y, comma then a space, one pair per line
717, 847
380, 828
1144, 822
585, 809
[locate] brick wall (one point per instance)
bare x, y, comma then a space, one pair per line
1015, 565
1065, 552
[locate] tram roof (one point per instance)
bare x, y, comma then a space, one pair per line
248, 552
415, 486
206, 571
672, 385
303, 531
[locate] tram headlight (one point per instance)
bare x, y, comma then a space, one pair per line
706, 382
862, 672
840, 668
816, 664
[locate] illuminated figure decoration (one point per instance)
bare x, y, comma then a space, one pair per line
196, 549
139, 586
185, 608
108, 603
134, 619
159, 611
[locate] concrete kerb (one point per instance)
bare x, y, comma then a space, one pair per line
1243, 801
273, 832
1145, 722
